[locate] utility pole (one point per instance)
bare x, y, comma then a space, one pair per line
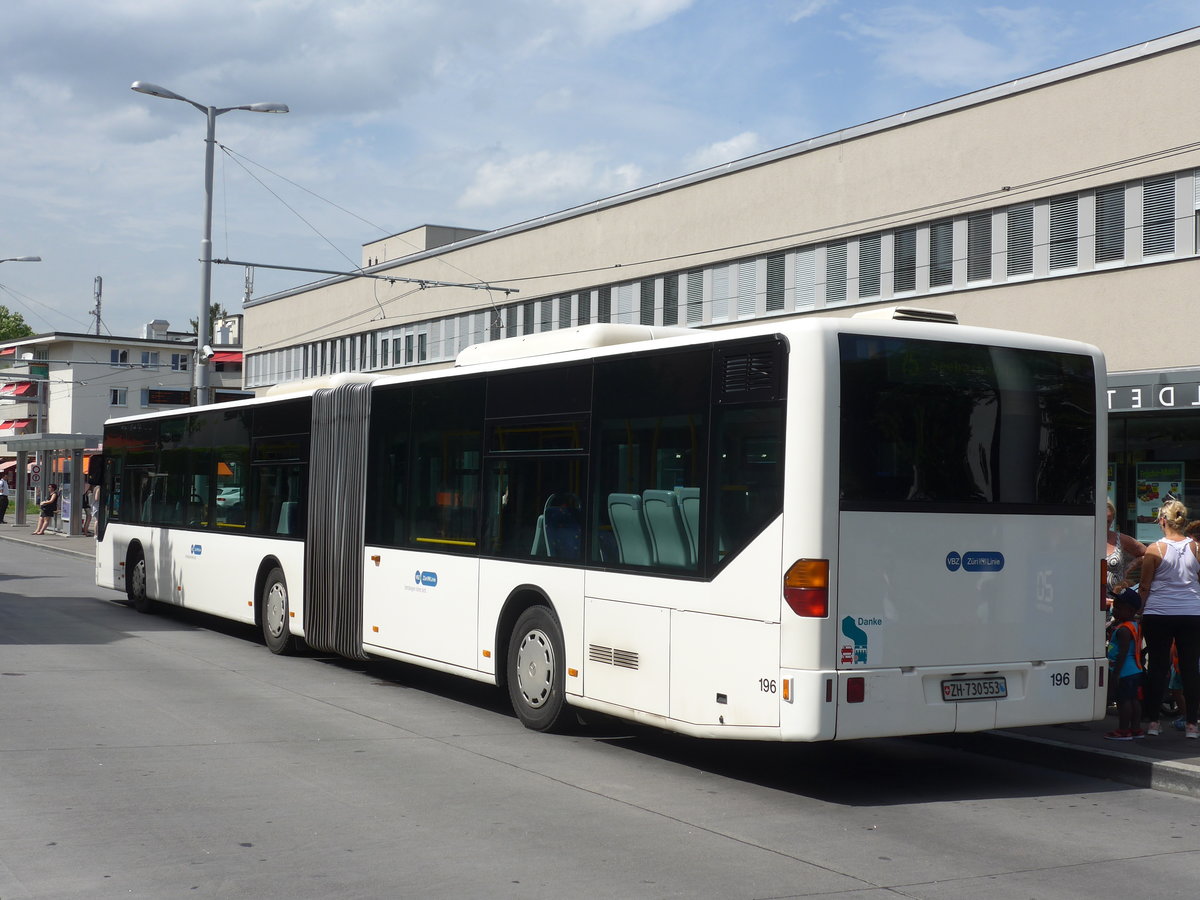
96, 291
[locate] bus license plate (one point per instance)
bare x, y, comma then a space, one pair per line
974, 689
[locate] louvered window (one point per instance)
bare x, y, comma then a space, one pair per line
695, 296
527, 317
775, 269
564, 312
806, 278
545, 316
604, 305
979, 247
624, 304
646, 315
721, 293
870, 259
747, 286
941, 253
835, 272
671, 300
1064, 232
905, 259
584, 312
1110, 224
1158, 216
1020, 240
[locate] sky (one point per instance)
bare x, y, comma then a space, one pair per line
470, 113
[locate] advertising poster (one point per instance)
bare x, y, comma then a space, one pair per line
1157, 482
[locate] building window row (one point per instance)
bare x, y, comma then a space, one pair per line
1123, 224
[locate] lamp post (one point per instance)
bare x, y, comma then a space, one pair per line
203, 338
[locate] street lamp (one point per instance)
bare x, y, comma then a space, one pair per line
22, 259
203, 338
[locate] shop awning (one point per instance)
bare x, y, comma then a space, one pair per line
14, 424
18, 389
227, 356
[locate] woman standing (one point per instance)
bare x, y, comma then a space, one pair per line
1172, 613
1124, 554
48, 508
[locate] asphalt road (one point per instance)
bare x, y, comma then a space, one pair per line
172, 755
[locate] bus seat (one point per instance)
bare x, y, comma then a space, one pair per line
287, 517
689, 506
563, 526
540, 547
629, 527
667, 533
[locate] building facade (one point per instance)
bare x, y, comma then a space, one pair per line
1063, 203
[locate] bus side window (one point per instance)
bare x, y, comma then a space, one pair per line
749, 476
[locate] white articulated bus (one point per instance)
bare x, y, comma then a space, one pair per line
806, 530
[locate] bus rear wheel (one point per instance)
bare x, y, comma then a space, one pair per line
135, 580
276, 633
536, 670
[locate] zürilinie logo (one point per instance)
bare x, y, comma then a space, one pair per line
426, 579
975, 561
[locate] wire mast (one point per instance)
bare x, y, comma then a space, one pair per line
97, 290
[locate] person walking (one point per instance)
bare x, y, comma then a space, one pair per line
1172, 613
3, 498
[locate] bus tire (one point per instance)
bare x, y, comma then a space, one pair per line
135, 580
536, 670
276, 633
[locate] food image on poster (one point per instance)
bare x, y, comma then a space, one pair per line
1157, 482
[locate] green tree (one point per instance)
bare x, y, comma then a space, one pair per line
215, 311
12, 325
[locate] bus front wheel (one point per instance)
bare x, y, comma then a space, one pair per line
135, 580
536, 670
276, 633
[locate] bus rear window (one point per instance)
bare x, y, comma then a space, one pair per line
936, 425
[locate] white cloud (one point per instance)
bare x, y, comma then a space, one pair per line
553, 179
939, 48
745, 144
809, 8
601, 20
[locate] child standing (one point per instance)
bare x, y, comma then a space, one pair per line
1125, 668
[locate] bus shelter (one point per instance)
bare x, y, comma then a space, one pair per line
55, 452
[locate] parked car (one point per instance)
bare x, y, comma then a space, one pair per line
229, 496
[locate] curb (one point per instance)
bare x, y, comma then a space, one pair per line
48, 545
1111, 765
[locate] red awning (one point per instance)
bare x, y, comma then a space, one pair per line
18, 389
13, 424
224, 356
8, 351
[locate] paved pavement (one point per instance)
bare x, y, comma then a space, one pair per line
1168, 762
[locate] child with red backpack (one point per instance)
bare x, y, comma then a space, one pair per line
1125, 668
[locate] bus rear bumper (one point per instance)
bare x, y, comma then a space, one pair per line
946, 699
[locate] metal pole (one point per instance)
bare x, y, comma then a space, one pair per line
203, 337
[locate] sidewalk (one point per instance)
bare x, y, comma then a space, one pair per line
76, 545
1168, 762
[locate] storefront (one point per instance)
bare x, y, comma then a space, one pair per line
1153, 446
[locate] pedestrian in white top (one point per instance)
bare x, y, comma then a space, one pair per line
1172, 613
3, 498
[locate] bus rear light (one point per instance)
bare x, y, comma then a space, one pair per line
786, 684
806, 588
856, 689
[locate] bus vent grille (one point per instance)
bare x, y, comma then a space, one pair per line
623, 659
750, 371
